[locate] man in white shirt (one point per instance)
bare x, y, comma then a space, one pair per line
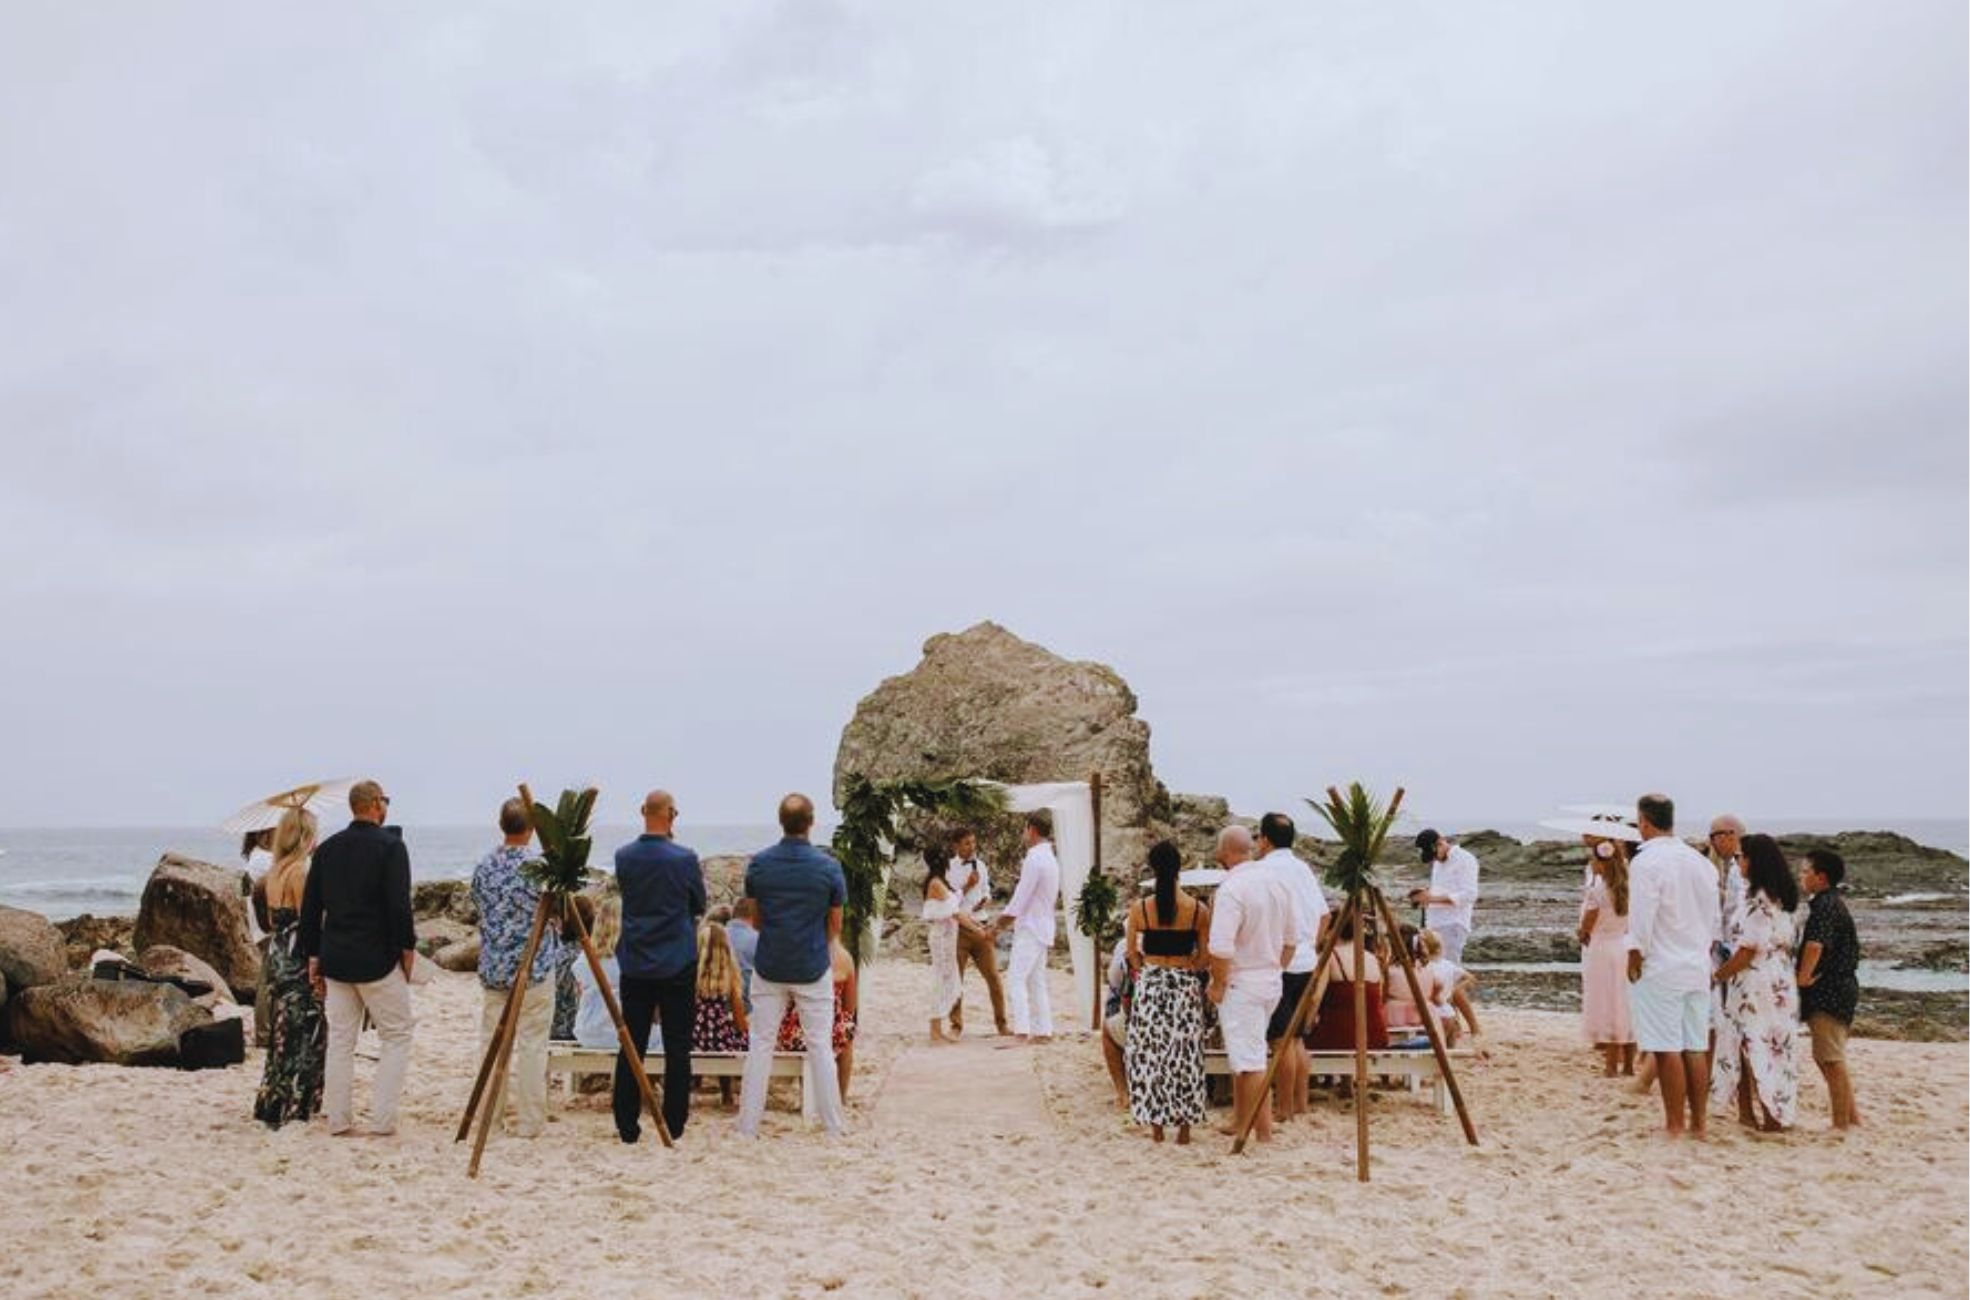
1451, 899
1726, 843
1253, 923
1289, 1082
1672, 922
972, 883
1030, 916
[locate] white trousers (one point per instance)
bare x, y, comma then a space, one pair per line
388, 1002
1026, 991
527, 1084
815, 1004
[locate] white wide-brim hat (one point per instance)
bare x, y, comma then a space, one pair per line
1600, 828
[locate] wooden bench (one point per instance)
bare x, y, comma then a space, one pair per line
570, 1060
1415, 1066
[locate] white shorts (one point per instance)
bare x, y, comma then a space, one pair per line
1669, 1020
1243, 1015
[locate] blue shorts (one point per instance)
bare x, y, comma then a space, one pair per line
1669, 1020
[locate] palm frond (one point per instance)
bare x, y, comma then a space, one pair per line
1362, 826
562, 832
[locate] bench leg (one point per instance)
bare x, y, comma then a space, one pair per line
807, 1090
1441, 1095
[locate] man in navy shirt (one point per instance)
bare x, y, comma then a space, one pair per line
663, 896
798, 892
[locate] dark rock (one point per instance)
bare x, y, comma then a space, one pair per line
1946, 954
85, 935
200, 982
1521, 946
77, 1020
31, 951
201, 909
214, 1046
436, 933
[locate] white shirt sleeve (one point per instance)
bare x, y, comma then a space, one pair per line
1226, 914
1644, 897
1022, 893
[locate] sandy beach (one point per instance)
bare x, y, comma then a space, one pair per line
975, 1171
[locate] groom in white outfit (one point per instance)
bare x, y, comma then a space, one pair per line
1030, 914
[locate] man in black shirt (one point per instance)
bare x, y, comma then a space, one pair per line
1829, 990
356, 930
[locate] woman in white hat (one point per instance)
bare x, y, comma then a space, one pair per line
1604, 1017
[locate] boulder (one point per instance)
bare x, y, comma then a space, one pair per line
31, 949
460, 956
984, 703
162, 961
435, 934
85, 935
201, 909
77, 1020
725, 879
431, 900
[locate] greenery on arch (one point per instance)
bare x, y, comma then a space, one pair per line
864, 840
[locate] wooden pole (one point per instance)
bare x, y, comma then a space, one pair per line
509, 1027
507, 1018
1429, 1020
1242, 1124
1094, 799
1360, 1056
627, 1044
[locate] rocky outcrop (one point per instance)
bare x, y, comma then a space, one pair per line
460, 956
77, 1020
451, 900
161, 961
984, 703
31, 950
202, 909
84, 935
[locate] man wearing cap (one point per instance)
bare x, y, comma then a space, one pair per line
1451, 899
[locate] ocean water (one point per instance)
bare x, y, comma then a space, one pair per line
64, 872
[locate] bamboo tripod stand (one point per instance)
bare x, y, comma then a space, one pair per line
490, 1086
1362, 907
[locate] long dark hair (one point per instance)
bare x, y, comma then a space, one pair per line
1166, 862
937, 865
1769, 874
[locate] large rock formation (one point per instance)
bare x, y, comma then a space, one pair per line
84, 935
77, 1020
202, 909
31, 950
984, 703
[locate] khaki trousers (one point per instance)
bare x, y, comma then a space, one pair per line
979, 949
527, 1084
388, 1002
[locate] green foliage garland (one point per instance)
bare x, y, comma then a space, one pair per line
1361, 825
869, 813
1094, 911
562, 867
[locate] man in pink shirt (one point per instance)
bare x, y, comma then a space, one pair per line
1254, 921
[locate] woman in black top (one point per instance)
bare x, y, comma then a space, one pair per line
1166, 949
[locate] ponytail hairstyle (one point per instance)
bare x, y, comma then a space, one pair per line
1615, 873
1166, 862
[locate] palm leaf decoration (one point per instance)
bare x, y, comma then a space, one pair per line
1361, 825
562, 867
864, 839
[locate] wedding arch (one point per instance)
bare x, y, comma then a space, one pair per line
865, 841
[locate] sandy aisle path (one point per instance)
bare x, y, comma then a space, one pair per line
991, 1085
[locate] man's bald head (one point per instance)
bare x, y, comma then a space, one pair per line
797, 815
659, 812
1234, 846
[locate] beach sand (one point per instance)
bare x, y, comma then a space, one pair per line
975, 1171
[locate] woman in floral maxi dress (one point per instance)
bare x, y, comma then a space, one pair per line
291, 1085
1756, 1057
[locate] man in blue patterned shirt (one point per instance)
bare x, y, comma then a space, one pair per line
506, 906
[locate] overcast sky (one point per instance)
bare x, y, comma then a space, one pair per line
1529, 403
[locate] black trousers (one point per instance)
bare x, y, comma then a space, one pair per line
674, 1000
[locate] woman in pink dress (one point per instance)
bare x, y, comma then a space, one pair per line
1604, 958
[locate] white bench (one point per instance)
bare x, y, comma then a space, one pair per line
570, 1060
1415, 1066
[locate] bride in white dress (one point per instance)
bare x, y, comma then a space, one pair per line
940, 914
